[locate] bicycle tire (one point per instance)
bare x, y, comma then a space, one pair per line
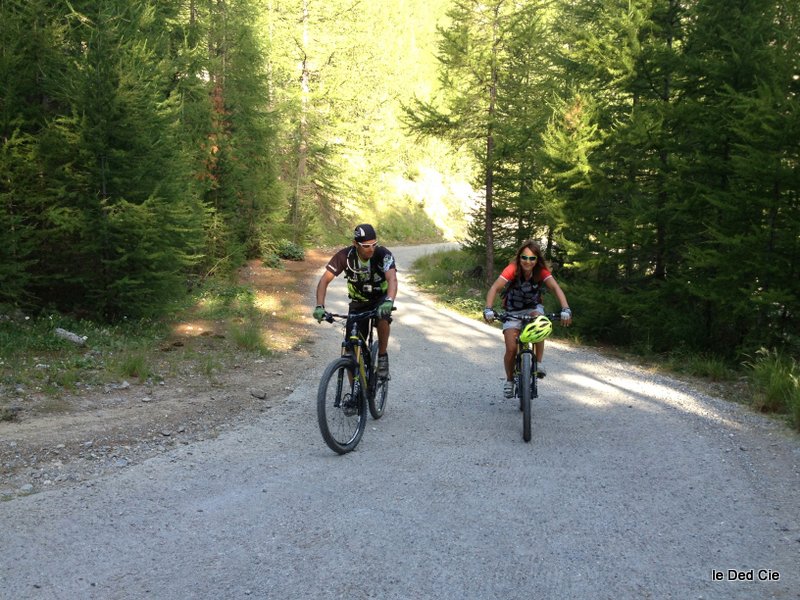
342, 420
379, 388
525, 379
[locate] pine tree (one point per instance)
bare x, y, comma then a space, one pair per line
473, 49
740, 120
611, 155
26, 45
115, 225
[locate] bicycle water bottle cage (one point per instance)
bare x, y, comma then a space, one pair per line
536, 331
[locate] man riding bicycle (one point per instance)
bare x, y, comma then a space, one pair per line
371, 275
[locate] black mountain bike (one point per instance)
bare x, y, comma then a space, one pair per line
525, 370
350, 384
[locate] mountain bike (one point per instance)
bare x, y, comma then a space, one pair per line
350, 385
525, 367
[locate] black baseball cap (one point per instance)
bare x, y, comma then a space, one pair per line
364, 232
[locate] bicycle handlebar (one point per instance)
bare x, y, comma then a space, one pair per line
504, 316
359, 316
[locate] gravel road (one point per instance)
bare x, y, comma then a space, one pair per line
634, 486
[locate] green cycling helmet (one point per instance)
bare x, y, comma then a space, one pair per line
536, 331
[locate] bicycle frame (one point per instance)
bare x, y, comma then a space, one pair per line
354, 344
526, 370
342, 414
526, 347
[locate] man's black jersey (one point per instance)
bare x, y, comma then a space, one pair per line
366, 281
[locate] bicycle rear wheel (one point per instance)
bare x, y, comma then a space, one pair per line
525, 395
341, 410
379, 388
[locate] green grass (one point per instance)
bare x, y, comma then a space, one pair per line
450, 277
224, 301
706, 366
32, 357
776, 380
248, 336
135, 362
33, 360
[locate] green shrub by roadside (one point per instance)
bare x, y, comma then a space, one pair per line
776, 380
273, 251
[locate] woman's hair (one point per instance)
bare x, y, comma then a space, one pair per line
533, 247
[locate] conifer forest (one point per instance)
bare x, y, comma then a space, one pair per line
652, 147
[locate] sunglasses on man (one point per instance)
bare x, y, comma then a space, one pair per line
367, 245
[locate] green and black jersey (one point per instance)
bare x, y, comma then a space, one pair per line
366, 280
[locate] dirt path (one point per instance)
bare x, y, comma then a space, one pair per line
118, 425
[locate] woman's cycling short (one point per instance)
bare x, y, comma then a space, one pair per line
517, 323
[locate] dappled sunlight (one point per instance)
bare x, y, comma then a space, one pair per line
436, 325
194, 328
589, 383
605, 384
268, 303
444, 201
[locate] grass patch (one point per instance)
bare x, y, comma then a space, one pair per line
34, 359
706, 366
454, 279
225, 301
209, 366
201, 337
135, 362
776, 382
248, 336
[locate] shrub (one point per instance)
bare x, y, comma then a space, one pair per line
776, 380
272, 261
289, 250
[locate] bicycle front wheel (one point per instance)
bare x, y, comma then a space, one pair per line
341, 410
525, 395
379, 388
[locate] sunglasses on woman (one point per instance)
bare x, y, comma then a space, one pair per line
533, 258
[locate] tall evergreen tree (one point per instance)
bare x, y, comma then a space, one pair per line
623, 219
740, 119
473, 49
28, 43
114, 224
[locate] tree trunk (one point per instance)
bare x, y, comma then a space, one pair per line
490, 157
302, 146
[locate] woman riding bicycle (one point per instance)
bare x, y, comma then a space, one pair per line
520, 285
371, 276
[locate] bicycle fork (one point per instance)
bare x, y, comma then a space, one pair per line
359, 387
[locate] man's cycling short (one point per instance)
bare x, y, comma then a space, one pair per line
357, 307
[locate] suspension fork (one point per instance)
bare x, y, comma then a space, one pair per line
356, 346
